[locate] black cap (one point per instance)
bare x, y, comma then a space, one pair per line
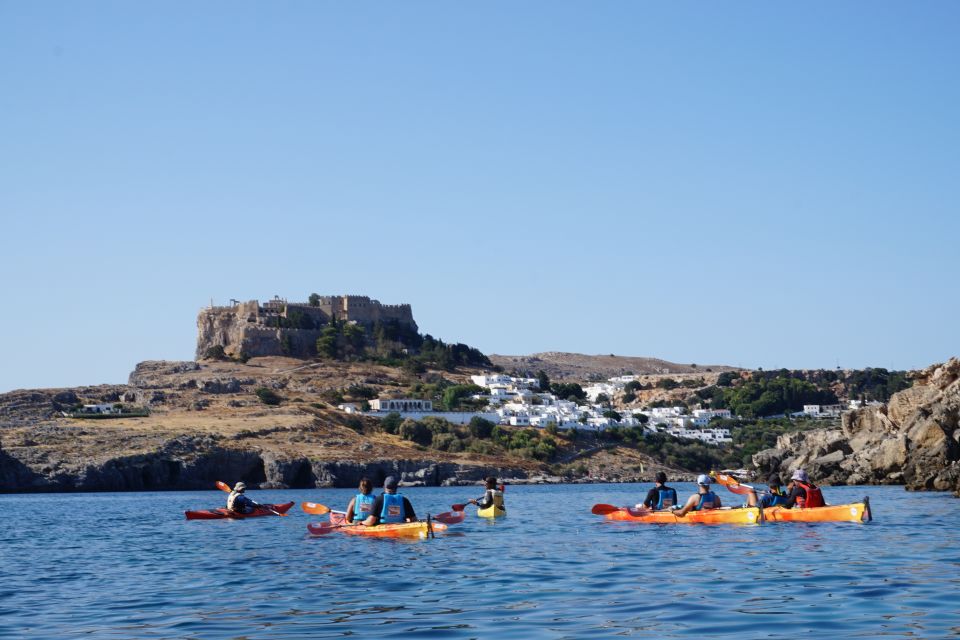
661, 477
390, 483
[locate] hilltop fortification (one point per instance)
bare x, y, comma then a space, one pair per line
277, 327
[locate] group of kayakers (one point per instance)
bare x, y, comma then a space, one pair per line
389, 507
800, 493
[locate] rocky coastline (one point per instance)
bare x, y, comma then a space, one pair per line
913, 440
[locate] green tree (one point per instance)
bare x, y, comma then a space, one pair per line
481, 428
391, 422
544, 381
268, 396
314, 300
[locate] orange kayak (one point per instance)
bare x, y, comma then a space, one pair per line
420, 529
855, 512
710, 516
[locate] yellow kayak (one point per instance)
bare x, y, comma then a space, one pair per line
491, 512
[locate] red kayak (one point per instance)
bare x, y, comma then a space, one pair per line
219, 514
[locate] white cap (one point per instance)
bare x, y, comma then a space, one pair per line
800, 475
703, 479
239, 486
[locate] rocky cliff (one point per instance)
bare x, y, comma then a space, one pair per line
912, 440
206, 423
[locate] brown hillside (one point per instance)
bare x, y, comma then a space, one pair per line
577, 367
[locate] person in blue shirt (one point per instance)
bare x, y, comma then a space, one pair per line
772, 496
238, 502
702, 500
390, 507
361, 505
661, 496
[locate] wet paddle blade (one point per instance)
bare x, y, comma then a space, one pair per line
223, 486
458, 507
604, 509
450, 517
322, 528
314, 508
733, 485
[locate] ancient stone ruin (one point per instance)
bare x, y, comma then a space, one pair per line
277, 327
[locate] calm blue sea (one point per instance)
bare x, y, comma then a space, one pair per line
129, 565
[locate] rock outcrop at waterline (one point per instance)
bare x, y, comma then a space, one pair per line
912, 440
197, 463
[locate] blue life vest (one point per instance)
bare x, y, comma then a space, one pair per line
393, 510
363, 506
768, 499
708, 500
667, 497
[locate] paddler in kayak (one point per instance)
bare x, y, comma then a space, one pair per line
492, 496
361, 505
238, 502
702, 500
661, 496
772, 496
390, 507
803, 493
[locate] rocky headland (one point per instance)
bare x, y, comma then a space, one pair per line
913, 440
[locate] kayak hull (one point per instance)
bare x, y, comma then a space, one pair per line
710, 516
415, 530
221, 514
491, 512
855, 512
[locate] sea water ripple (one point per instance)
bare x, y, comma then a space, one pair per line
130, 566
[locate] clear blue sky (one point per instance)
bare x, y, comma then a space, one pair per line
749, 183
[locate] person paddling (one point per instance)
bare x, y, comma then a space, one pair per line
702, 500
660, 496
492, 496
770, 497
238, 502
390, 507
803, 494
361, 505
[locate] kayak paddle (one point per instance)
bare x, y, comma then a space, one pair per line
314, 508
223, 486
322, 528
604, 509
733, 485
450, 517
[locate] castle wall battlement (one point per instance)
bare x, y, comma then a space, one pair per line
245, 327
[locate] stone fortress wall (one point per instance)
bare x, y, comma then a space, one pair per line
250, 328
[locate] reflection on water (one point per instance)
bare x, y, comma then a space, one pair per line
130, 566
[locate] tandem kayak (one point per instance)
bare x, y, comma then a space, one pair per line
725, 515
855, 512
420, 529
491, 512
220, 514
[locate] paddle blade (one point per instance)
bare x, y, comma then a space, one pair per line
223, 486
458, 507
314, 508
733, 485
450, 517
604, 509
322, 528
